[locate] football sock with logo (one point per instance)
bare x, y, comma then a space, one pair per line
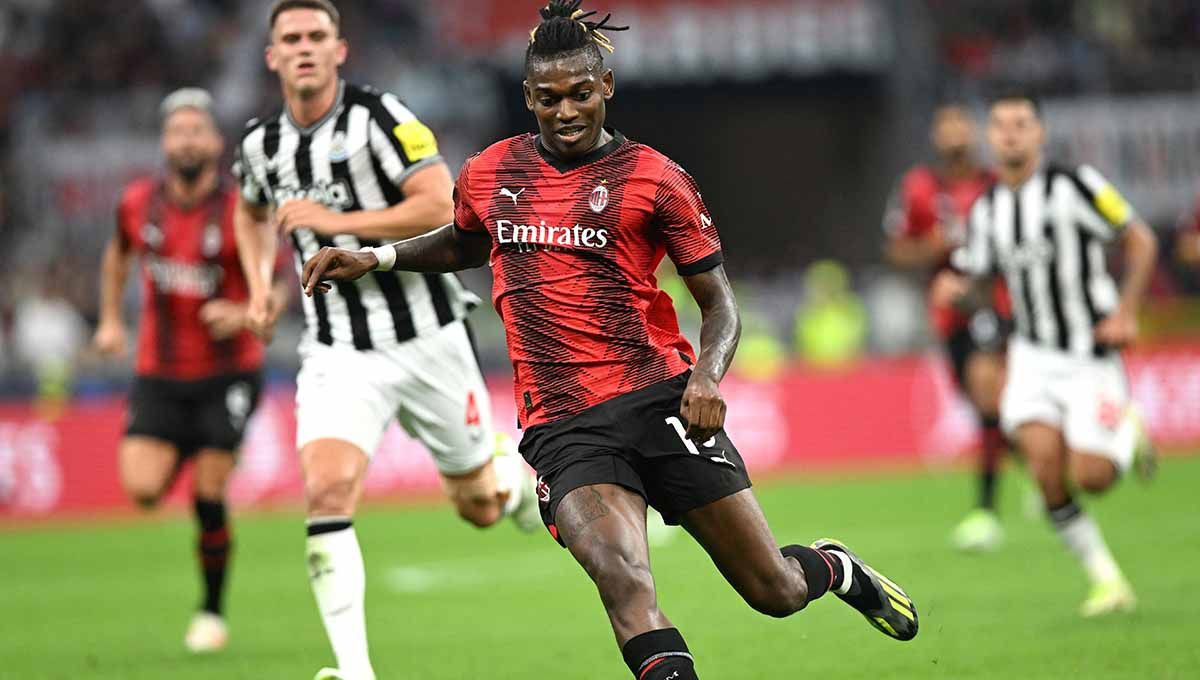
823, 570
1082, 537
213, 551
335, 567
659, 655
992, 443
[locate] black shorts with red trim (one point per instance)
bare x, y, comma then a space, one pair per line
985, 331
209, 413
635, 440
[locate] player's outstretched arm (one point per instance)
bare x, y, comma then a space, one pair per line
703, 408
1141, 253
114, 271
426, 206
257, 242
447, 249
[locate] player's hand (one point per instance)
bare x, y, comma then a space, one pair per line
703, 408
110, 339
948, 289
224, 318
335, 264
261, 314
307, 214
1118, 329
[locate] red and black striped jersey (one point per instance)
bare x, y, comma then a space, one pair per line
574, 249
189, 256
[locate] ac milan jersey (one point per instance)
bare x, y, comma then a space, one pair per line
926, 202
189, 257
574, 249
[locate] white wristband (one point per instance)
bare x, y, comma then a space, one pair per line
386, 256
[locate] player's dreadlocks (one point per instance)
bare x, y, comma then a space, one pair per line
564, 29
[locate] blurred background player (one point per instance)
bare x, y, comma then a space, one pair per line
197, 363
1187, 240
618, 411
347, 165
1067, 401
924, 224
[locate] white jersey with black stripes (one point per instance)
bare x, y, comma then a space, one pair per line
1047, 238
356, 157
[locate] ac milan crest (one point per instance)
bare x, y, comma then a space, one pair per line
599, 198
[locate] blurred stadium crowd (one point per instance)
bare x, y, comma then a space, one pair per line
78, 118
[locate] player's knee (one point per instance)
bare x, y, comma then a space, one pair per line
144, 493
625, 583
1093, 476
330, 495
479, 511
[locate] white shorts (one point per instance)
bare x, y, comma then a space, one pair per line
1084, 398
431, 385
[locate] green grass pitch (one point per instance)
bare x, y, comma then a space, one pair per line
110, 600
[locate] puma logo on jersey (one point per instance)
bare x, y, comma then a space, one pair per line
505, 192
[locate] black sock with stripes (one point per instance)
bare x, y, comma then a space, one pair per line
822, 572
213, 550
659, 655
992, 441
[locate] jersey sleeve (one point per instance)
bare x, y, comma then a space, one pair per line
465, 217
918, 205
1104, 212
976, 257
249, 187
401, 142
685, 224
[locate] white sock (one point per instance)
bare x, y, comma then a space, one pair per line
1128, 436
335, 567
1082, 537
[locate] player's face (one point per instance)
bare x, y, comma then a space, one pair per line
953, 133
305, 50
1014, 132
568, 100
190, 142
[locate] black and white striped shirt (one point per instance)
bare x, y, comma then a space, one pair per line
1047, 237
355, 158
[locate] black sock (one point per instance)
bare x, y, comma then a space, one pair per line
992, 442
823, 572
1064, 512
213, 550
659, 655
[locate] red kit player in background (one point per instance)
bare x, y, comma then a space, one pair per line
925, 222
618, 411
197, 364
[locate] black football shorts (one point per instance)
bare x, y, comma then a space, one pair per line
210, 413
635, 440
986, 331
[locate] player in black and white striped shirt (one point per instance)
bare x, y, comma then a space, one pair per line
1066, 401
348, 166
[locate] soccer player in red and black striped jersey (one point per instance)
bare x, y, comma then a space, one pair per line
618, 411
197, 364
926, 220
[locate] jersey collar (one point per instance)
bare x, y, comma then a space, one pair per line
590, 157
333, 111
